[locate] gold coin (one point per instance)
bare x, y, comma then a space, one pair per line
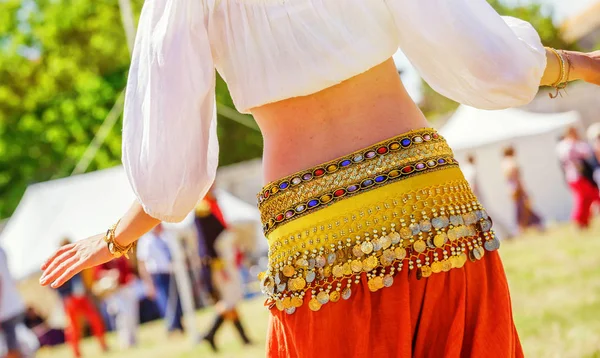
292, 284
454, 261
482, 250
356, 266
366, 247
371, 285
426, 271
436, 267
347, 269
289, 270
323, 297
378, 282
370, 263
400, 253
385, 242
279, 305
405, 233
440, 239
346, 293
334, 296
463, 259
420, 246
287, 303
300, 283
357, 251
327, 271
302, 262
297, 301
446, 266
338, 271
314, 305
395, 237
453, 234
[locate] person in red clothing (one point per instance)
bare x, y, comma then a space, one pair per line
77, 303
218, 248
114, 282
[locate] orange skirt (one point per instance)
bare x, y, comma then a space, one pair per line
460, 313
385, 252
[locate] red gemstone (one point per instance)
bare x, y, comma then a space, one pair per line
407, 169
382, 150
435, 135
339, 192
267, 194
279, 217
319, 172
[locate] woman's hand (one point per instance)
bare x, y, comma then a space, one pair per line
71, 259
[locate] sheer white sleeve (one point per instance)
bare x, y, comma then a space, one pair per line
170, 148
469, 53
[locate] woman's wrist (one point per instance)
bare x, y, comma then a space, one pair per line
579, 63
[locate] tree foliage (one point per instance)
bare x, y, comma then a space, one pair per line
63, 64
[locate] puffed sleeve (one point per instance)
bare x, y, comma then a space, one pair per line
170, 148
469, 53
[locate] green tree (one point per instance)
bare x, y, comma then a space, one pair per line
63, 63
435, 105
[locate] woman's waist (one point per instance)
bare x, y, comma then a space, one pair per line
394, 159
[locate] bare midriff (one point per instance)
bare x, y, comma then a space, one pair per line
302, 132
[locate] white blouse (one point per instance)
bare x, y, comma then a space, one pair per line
270, 50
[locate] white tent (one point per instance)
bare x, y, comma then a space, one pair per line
77, 207
534, 136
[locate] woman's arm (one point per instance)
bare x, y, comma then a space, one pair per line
72, 259
582, 66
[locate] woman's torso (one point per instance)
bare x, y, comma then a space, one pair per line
304, 131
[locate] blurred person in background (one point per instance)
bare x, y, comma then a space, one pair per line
577, 157
593, 134
525, 215
224, 258
78, 304
320, 81
47, 336
471, 174
155, 264
115, 284
12, 309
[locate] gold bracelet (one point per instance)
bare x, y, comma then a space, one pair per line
563, 78
117, 250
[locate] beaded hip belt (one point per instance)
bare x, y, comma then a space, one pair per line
400, 204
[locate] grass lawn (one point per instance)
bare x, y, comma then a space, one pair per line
555, 283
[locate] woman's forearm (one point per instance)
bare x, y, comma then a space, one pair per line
577, 63
134, 224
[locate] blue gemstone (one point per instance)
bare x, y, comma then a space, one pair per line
442, 161
405, 142
380, 178
345, 163
313, 203
352, 188
367, 183
284, 185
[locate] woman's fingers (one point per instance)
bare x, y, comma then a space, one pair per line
56, 254
57, 265
71, 270
58, 271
